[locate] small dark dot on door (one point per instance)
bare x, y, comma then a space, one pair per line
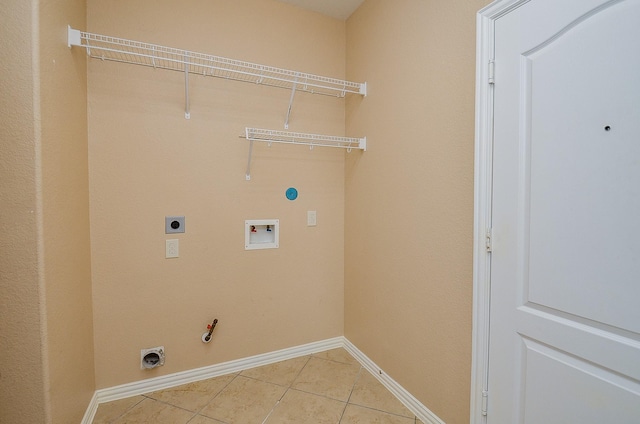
607, 128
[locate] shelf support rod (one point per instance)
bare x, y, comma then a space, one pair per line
293, 92
187, 108
248, 173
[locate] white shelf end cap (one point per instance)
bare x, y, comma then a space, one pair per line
73, 37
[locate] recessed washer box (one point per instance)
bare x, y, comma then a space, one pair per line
261, 234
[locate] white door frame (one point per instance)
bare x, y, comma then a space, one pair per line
485, 37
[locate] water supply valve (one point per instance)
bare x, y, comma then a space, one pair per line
206, 337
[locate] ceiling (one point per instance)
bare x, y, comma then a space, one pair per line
340, 9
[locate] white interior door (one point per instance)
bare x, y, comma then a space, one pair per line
564, 343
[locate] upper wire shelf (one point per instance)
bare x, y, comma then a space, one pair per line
155, 56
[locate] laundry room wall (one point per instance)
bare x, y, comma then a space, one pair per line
46, 342
409, 200
66, 266
147, 161
22, 370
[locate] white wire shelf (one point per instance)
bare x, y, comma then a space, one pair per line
311, 140
138, 53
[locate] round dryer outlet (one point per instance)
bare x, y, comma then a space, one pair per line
151, 358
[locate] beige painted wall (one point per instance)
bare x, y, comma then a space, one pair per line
21, 339
65, 211
409, 199
147, 161
46, 374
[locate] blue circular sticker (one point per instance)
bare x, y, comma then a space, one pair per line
292, 193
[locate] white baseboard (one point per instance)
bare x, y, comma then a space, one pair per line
407, 399
177, 379
185, 377
91, 410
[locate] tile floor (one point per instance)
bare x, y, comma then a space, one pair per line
327, 387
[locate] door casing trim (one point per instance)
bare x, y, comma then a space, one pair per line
483, 182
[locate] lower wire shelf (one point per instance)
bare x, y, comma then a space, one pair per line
311, 140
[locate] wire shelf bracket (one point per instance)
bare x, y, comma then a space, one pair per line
311, 140
138, 53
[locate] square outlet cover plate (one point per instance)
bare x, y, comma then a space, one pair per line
173, 224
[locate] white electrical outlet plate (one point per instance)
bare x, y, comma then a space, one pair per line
172, 250
312, 218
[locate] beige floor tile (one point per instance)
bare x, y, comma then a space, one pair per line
110, 411
304, 408
152, 411
338, 355
369, 392
244, 400
358, 415
327, 378
321, 386
282, 373
193, 396
199, 419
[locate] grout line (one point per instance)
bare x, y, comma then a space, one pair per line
272, 409
124, 412
191, 419
288, 387
384, 412
217, 394
298, 374
317, 395
285, 386
351, 393
170, 404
